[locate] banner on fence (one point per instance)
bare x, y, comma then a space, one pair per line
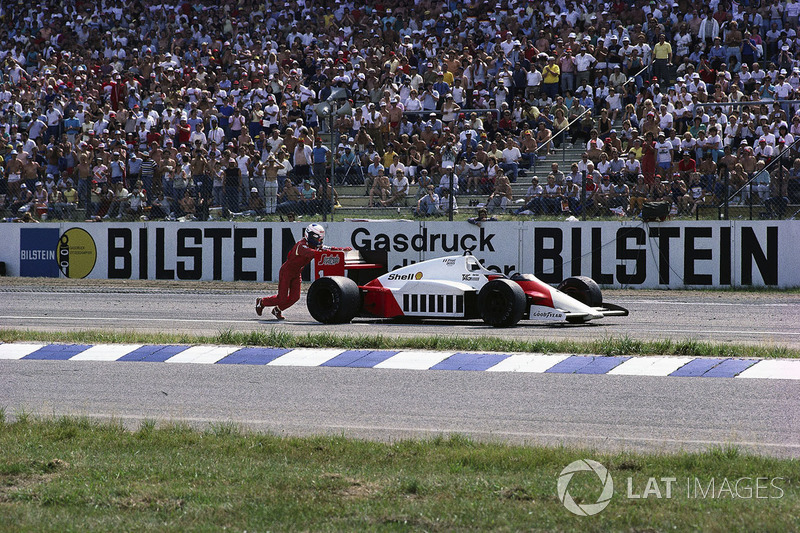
626, 254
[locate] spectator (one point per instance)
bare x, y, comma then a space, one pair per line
381, 188
400, 187
447, 203
428, 205
449, 180
533, 199
551, 196
501, 196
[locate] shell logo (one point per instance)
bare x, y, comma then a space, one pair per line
418, 275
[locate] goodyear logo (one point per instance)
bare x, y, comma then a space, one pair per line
77, 253
404, 277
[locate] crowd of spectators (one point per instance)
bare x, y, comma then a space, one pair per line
174, 108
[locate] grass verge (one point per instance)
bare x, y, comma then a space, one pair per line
73, 474
282, 339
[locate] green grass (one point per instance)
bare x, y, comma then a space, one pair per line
73, 474
282, 339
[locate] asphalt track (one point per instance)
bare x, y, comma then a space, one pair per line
739, 317
601, 411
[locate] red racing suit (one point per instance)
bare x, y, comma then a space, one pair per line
289, 276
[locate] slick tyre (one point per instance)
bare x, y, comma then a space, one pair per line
502, 303
333, 300
583, 289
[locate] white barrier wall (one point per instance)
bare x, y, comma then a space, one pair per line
619, 254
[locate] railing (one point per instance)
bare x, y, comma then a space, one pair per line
579, 117
633, 78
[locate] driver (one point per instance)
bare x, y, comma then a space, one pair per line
299, 256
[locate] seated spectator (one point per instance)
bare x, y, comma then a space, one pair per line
551, 196
698, 195
501, 196
66, 203
40, 200
289, 199
187, 207
119, 201
400, 187
348, 170
511, 156
778, 199
603, 193
533, 199
255, 205
632, 168
308, 202
448, 180
793, 182
160, 208
680, 195
422, 183
381, 188
640, 193
476, 171
619, 197
428, 205
447, 203
137, 200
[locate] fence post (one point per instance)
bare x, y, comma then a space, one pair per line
727, 192
779, 195
583, 195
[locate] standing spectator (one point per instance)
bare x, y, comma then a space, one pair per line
231, 186
551, 75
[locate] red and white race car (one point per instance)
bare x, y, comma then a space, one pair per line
457, 287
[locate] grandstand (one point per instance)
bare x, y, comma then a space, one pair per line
205, 111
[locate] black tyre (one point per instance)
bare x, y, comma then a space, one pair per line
333, 300
501, 303
584, 289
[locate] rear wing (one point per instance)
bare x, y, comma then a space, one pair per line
352, 264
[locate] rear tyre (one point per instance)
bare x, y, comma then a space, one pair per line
584, 289
501, 303
333, 300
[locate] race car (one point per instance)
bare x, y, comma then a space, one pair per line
457, 287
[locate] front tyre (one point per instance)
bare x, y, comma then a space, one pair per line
584, 289
333, 300
501, 303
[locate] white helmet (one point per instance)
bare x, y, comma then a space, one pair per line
314, 234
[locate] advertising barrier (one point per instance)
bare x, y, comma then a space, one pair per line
616, 254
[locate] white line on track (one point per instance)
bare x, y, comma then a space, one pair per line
720, 304
222, 321
338, 429
126, 320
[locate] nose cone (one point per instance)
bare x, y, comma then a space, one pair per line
571, 305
